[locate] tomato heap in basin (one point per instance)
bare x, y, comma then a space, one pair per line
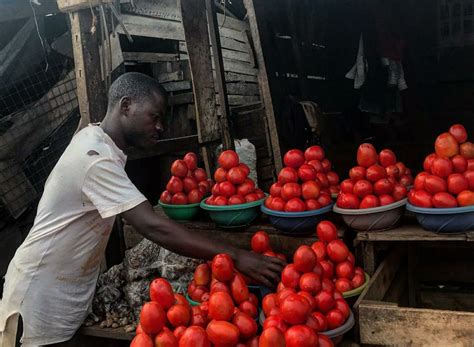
448, 177
305, 183
233, 187
378, 180
188, 184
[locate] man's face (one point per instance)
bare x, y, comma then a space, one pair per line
144, 123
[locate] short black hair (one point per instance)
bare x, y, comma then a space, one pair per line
135, 85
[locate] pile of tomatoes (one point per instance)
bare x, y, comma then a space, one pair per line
448, 176
233, 187
188, 185
378, 180
305, 183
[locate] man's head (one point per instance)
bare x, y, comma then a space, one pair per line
139, 103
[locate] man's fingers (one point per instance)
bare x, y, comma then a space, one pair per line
263, 280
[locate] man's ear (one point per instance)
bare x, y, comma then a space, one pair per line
125, 103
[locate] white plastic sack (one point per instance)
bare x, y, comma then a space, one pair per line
247, 154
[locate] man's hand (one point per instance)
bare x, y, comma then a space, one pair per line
260, 268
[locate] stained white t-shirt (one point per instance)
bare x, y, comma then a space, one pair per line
52, 277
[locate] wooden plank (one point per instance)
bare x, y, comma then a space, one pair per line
170, 76
226, 53
242, 99
243, 88
368, 256
264, 85
413, 233
177, 86
11, 10
395, 292
232, 34
90, 87
382, 324
221, 87
232, 66
149, 57
77, 5
180, 99
236, 77
164, 147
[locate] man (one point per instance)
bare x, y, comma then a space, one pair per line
51, 280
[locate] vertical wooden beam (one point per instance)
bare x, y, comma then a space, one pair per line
227, 141
264, 84
193, 14
90, 87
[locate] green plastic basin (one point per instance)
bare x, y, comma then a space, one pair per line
180, 213
357, 291
233, 216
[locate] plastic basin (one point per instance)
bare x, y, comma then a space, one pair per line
233, 216
180, 213
296, 223
373, 219
358, 290
444, 220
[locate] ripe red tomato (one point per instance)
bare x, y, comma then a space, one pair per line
342, 306
290, 190
295, 309
327, 166
249, 308
347, 186
246, 325
181, 300
175, 185
220, 175
219, 287
162, 293
442, 167
228, 159
283, 293
223, 267
239, 289
202, 275
310, 282
316, 164
323, 179
446, 145
244, 167
222, 333
246, 188
195, 196
324, 341
287, 175
470, 178
459, 163
363, 188
314, 153
204, 187
309, 298
260, 194
383, 186
236, 176
226, 189
343, 285
337, 251
345, 269
406, 180
358, 280
304, 259
324, 301
465, 198
457, 183
333, 178
351, 258
429, 162
402, 168
301, 336
269, 302
295, 205
272, 337
278, 204
166, 197
399, 192
152, 317
290, 276
236, 200
347, 200
335, 319
312, 204
178, 332
386, 200
375, 173
260, 242
294, 158
420, 180
194, 336
178, 315
251, 197
435, 184
268, 202
366, 155
467, 150
324, 199
200, 174
179, 199
179, 168
328, 268
220, 201
392, 171
326, 231
387, 158
458, 132
320, 249
191, 160
275, 189
142, 340
357, 173
444, 200
221, 306
420, 198
306, 172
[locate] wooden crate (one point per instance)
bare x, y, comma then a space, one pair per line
420, 296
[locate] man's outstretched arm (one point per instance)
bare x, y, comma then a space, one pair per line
177, 238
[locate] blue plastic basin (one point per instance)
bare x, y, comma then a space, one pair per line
444, 220
296, 223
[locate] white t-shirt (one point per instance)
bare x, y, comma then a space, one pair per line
52, 277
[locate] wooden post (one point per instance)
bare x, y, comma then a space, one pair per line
227, 141
264, 84
193, 13
90, 87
